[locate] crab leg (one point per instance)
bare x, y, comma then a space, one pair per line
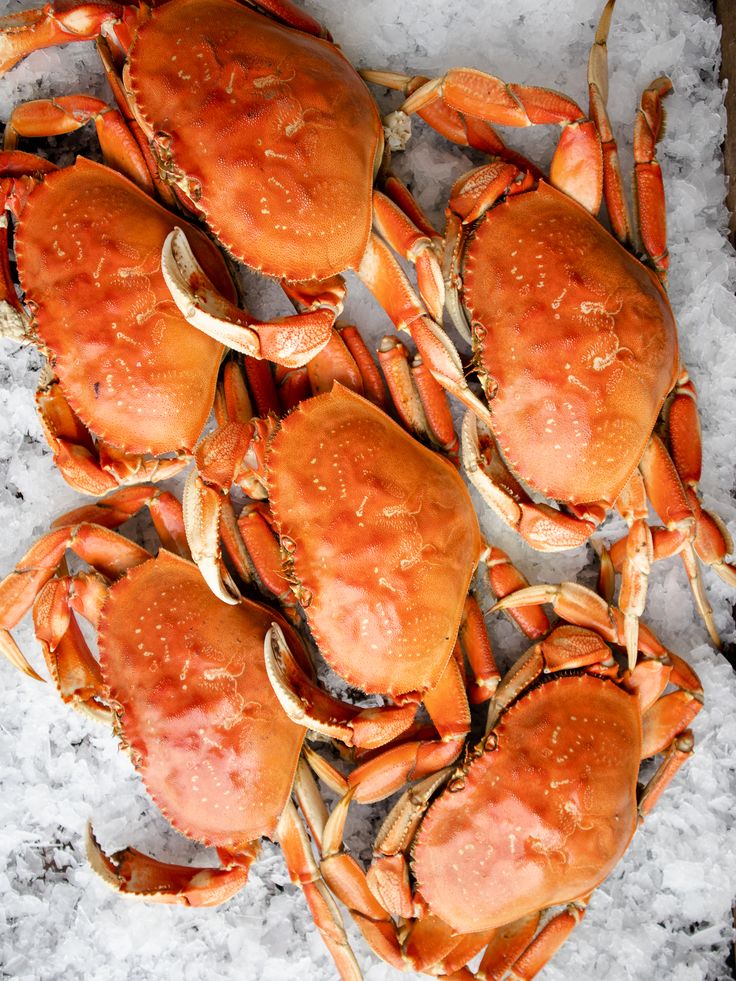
74, 670
632, 504
136, 874
414, 245
648, 184
53, 24
453, 125
289, 341
618, 210
65, 114
584, 608
305, 872
96, 544
93, 468
577, 166
383, 276
308, 705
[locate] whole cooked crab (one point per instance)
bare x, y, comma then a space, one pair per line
574, 338
181, 678
130, 384
263, 127
536, 815
374, 536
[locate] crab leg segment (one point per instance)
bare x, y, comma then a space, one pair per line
632, 504
55, 23
290, 341
618, 210
648, 183
134, 873
304, 871
584, 608
383, 276
70, 662
540, 525
65, 114
577, 167
413, 244
307, 704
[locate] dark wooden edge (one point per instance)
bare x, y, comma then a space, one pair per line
726, 15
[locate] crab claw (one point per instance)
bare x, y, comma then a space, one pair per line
289, 341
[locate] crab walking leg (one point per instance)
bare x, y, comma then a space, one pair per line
95, 543
414, 245
305, 872
74, 670
584, 608
670, 500
134, 873
100, 547
289, 341
547, 942
613, 190
383, 276
651, 216
53, 24
93, 468
429, 944
543, 527
712, 541
632, 505
453, 125
66, 114
16, 172
577, 166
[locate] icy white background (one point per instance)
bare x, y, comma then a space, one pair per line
665, 912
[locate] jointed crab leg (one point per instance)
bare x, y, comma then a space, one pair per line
107, 552
65, 114
577, 167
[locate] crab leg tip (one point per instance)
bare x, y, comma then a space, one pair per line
631, 637
210, 569
12, 652
531, 596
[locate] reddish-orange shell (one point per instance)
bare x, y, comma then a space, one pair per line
136, 373
543, 818
214, 747
579, 337
383, 538
275, 128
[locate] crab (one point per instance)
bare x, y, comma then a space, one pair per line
536, 815
375, 538
130, 384
574, 338
259, 123
181, 678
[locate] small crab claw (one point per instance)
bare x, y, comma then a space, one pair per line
289, 341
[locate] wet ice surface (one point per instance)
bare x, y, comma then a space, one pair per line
665, 912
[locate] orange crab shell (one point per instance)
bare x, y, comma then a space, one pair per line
88, 246
273, 132
382, 537
544, 816
578, 340
187, 677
